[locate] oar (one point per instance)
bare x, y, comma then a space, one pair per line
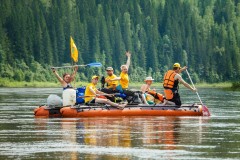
194, 87
94, 64
205, 109
97, 95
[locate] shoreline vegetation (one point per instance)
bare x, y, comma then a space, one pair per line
23, 84
35, 36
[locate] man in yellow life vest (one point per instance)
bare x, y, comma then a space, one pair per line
123, 78
92, 93
170, 84
110, 77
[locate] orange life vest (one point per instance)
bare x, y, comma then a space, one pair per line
156, 95
169, 82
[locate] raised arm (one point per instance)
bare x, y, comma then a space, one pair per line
74, 72
57, 75
128, 54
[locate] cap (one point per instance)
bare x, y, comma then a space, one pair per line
177, 65
109, 69
148, 79
93, 77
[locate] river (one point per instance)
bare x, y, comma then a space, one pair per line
22, 136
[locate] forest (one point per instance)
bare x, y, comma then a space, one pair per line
201, 34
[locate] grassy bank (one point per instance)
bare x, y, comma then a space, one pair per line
35, 84
236, 86
16, 84
214, 85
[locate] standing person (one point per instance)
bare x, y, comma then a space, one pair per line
92, 92
67, 78
170, 84
123, 78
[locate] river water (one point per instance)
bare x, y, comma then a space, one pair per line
24, 137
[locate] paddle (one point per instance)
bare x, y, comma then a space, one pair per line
94, 64
194, 87
205, 109
98, 95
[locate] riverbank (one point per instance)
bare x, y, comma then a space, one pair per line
35, 84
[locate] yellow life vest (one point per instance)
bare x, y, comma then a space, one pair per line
110, 84
124, 81
89, 93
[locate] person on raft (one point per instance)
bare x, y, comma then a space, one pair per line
67, 78
150, 95
92, 92
109, 79
123, 78
170, 84
110, 84
113, 90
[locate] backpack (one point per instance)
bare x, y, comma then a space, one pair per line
80, 95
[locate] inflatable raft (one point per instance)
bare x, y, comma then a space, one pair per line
129, 110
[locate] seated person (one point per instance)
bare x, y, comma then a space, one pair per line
109, 79
111, 90
91, 94
114, 86
123, 78
151, 96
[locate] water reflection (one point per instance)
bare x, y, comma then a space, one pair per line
150, 133
24, 137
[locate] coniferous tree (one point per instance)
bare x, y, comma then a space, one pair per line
158, 33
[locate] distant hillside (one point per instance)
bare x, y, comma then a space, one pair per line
202, 34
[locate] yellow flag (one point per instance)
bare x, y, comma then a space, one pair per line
74, 51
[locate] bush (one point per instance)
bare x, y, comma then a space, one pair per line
6, 71
29, 76
236, 85
19, 75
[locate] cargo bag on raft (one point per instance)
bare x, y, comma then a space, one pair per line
80, 95
134, 97
69, 97
54, 101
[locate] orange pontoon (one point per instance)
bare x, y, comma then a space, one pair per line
130, 110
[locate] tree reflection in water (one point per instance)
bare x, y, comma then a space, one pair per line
111, 133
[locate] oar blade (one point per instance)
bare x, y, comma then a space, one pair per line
205, 111
95, 64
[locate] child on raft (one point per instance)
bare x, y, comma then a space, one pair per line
150, 96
